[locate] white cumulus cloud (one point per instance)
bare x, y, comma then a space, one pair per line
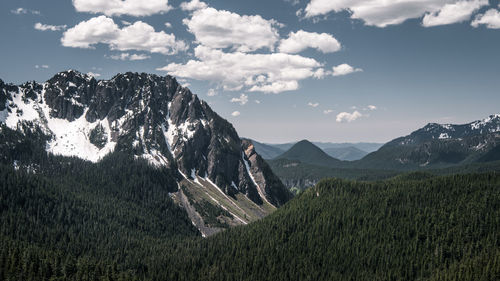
44, 27
372, 107
212, 93
348, 117
44, 66
242, 100
491, 19
313, 104
327, 111
127, 56
453, 13
268, 73
301, 40
137, 36
193, 5
135, 8
235, 113
344, 69
382, 13
220, 29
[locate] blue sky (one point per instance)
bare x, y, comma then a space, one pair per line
325, 70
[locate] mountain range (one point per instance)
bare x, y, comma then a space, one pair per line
435, 146
341, 151
151, 118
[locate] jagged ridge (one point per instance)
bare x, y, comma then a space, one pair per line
146, 115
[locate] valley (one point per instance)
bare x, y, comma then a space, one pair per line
135, 178
289, 140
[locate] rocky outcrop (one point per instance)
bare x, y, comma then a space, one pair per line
269, 185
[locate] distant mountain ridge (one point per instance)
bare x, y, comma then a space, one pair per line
435, 146
341, 151
440, 145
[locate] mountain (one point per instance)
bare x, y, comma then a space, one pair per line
148, 117
266, 151
440, 145
306, 152
349, 153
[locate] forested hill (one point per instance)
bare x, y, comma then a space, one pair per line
412, 227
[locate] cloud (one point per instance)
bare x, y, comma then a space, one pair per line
382, 13
235, 113
124, 22
242, 100
491, 19
344, 69
276, 87
257, 101
23, 11
453, 13
372, 107
93, 74
311, 104
293, 2
168, 25
193, 5
348, 117
44, 66
268, 73
301, 40
127, 56
19, 11
44, 27
223, 29
138, 36
135, 8
212, 93
327, 111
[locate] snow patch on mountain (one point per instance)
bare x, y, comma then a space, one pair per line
482, 123
155, 158
22, 110
72, 138
68, 138
444, 136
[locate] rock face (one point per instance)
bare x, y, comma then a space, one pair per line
149, 116
269, 185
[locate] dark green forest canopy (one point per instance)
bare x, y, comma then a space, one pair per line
115, 221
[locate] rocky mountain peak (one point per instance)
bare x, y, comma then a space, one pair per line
149, 116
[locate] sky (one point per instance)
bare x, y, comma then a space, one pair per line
282, 70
